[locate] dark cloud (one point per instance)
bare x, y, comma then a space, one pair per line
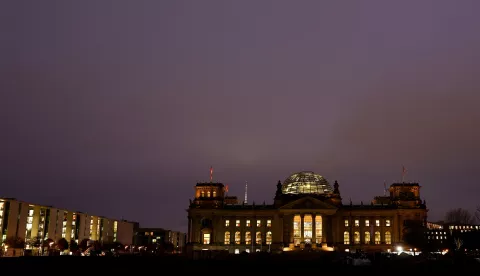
119, 108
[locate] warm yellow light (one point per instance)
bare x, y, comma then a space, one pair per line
399, 249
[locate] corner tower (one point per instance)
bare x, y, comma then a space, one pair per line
209, 195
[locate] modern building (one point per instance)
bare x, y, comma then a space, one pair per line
307, 213
453, 235
158, 236
26, 221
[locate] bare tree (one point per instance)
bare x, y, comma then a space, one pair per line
458, 243
477, 214
459, 216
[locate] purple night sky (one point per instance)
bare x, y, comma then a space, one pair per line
117, 108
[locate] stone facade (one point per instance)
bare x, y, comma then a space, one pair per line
314, 221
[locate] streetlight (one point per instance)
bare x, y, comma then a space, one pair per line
6, 249
50, 248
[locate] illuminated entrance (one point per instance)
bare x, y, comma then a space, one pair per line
307, 229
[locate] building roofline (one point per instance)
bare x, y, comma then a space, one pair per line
50, 206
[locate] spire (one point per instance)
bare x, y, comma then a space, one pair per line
246, 189
335, 188
404, 172
384, 188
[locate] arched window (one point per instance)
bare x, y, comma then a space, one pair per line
237, 237
377, 237
227, 237
356, 237
318, 229
206, 238
259, 238
214, 193
367, 237
269, 237
248, 238
203, 194
388, 237
208, 193
296, 229
346, 238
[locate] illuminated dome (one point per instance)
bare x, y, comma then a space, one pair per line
306, 183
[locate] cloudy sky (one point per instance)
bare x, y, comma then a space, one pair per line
119, 107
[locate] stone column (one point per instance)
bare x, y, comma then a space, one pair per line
395, 229
301, 229
254, 230
325, 224
290, 225
189, 229
314, 234
280, 229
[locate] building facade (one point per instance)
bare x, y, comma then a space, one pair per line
159, 236
26, 221
307, 213
442, 236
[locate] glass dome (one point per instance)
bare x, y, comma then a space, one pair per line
306, 183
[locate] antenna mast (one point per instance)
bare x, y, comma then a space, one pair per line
211, 174
246, 189
404, 172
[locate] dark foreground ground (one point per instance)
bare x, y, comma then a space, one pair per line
238, 265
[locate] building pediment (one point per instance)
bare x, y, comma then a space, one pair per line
308, 203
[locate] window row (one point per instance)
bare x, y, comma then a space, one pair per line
456, 227
238, 238
356, 223
213, 194
248, 223
437, 237
366, 237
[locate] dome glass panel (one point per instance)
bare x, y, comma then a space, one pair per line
306, 183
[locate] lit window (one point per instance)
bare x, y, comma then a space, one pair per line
259, 223
346, 223
377, 222
307, 228
388, 238
237, 223
296, 229
237, 237
269, 237
356, 237
387, 222
208, 194
377, 237
318, 229
214, 193
227, 223
357, 223
237, 251
248, 238
367, 222
203, 194
367, 237
227, 237
206, 238
346, 238
269, 223
258, 240
248, 223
